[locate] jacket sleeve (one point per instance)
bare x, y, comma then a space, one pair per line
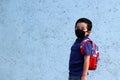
88, 48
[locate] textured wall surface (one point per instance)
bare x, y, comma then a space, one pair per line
36, 36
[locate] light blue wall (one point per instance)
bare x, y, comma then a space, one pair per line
36, 36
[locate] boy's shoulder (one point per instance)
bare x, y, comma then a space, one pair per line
86, 38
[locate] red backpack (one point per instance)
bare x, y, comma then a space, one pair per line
94, 57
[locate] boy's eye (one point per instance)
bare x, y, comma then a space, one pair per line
82, 28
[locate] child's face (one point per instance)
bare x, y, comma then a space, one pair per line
82, 26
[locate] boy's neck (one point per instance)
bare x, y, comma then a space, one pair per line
83, 37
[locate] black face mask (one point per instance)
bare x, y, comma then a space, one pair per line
79, 33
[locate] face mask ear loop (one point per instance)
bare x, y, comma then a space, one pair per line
85, 30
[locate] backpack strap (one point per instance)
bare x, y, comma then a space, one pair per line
83, 45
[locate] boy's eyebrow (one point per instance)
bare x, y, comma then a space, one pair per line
82, 27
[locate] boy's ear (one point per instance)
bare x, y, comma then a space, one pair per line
89, 32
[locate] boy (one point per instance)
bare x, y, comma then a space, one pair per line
79, 63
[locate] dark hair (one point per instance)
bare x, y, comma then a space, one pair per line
85, 20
